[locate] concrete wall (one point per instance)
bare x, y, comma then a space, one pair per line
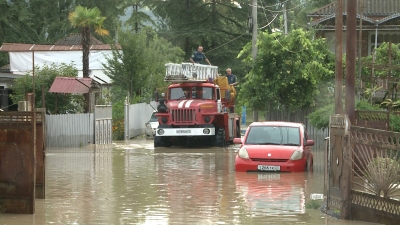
139, 114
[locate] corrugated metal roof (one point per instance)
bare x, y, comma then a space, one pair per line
76, 39
371, 8
71, 85
16, 47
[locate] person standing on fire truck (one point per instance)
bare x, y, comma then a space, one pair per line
232, 79
198, 56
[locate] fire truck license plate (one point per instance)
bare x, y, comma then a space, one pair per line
183, 131
268, 168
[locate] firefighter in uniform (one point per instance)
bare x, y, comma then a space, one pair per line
198, 56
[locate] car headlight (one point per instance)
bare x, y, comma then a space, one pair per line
207, 119
164, 119
298, 154
243, 153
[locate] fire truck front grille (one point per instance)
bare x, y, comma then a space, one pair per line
183, 115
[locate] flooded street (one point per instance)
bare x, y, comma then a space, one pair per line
131, 183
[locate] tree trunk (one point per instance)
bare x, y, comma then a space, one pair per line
85, 51
85, 61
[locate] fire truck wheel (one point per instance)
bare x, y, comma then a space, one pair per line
161, 142
220, 137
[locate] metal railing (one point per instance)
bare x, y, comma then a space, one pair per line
189, 72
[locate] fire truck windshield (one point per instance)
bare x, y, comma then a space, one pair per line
192, 93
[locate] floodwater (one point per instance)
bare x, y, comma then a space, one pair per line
131, 183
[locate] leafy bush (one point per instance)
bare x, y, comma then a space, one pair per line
320, 117
394, 123
314, 204
363, 104
118, 120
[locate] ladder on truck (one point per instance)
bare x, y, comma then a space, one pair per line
189, 72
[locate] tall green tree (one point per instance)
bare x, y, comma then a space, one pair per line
44, 77
220, 26
112, 10
140, 67
287, 71
85, 19
139, 17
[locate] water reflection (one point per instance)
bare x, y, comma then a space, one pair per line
273, 194
131, 183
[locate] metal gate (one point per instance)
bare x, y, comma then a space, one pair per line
103, 124
17, 162
339, 166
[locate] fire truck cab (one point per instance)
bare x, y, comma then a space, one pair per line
195, 111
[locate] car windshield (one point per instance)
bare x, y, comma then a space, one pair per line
192, 93
153, 117
273, 135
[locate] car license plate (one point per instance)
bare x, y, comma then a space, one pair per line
183, 131
268, 168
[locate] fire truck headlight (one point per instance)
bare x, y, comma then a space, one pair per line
207, 119
164, 119
160, 132
206, 131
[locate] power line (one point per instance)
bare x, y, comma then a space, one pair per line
286, 49
225, 43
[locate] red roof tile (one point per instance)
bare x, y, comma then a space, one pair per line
71, 85
16, 47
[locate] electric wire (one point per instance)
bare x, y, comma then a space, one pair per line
286, 49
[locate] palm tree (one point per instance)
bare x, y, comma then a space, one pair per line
86, 19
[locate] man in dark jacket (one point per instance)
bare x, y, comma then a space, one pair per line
198, 56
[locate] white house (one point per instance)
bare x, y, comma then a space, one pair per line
23, 57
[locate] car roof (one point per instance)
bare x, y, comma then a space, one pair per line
276, 123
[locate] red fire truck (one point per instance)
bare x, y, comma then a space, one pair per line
197, 109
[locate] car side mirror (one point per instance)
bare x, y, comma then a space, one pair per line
310, 143
237, 141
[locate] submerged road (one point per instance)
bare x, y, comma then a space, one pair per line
132, 183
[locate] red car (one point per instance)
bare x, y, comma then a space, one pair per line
274, 147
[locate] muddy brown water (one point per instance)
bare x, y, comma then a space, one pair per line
131, 183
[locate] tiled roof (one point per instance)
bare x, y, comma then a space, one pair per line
372, 8
76, 39
71, 85
16, 47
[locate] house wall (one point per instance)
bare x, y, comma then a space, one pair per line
139, 114
330, 40
368, 40
21, 62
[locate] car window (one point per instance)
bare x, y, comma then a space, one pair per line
153, 117
274, 135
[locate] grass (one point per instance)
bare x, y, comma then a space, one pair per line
313, 204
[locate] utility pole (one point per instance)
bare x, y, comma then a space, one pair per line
285, 18
339, 57
361, 10
254, 46
351, 55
